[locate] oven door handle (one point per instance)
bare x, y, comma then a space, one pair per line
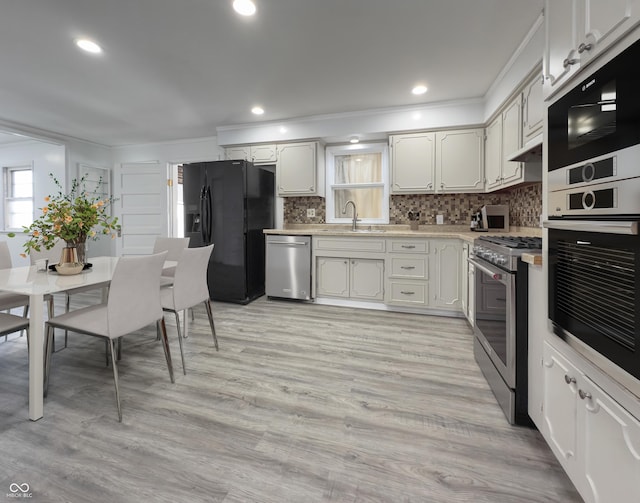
495, 273
609, 227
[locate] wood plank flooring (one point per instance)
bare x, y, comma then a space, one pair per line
303, 403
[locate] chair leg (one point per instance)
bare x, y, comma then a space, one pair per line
106, 351
119, 348
114, 365
207, 303
25, 313
165, 344
184, 368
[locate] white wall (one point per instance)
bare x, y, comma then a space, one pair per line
46, 158
100, 156
193, 150
526, 57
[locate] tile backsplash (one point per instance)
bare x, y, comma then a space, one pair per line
525, 207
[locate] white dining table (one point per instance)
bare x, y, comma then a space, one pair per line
36, 284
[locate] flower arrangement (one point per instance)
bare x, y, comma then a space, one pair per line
73, 217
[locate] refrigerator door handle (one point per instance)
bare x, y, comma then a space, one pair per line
209, 215
203, 215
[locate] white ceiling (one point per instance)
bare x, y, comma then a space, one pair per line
175, 69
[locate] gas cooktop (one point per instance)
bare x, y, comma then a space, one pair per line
504, 251
518, 242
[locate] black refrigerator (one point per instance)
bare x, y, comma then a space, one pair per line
228, 204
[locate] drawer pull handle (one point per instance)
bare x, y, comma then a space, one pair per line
407, 293
408, 267
410, 247
569, 380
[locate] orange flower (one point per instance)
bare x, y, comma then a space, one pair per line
47, 199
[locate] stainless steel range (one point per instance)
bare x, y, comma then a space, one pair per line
500, 342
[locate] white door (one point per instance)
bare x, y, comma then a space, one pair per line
141, 206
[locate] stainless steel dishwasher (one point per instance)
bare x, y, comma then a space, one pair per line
288, 267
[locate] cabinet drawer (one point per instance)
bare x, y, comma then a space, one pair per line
409, 246
409, 267
411, 294
349, 244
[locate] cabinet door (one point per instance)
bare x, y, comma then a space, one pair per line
493, 157
332, 277
532, 109
464, 266
447, 254
561, 58
460, 161
238, 153
605, 21
511, 141
263, 154
611, 452
367, 279
296, 169
560, 407
412, 163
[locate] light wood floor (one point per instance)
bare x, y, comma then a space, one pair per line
303, 403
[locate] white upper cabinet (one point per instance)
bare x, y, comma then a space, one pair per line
300, 169
560, 57
257, 154
413, 158
242, 153
503, 139
437, 162
493, 154
532, 109
460, 161
511, 141
579, 30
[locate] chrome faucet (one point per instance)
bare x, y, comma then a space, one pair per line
355, 213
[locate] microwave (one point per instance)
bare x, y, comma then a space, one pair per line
594, 142
494, 217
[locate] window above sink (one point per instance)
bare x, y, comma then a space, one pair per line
358, 173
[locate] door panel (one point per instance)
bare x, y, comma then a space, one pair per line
141, 206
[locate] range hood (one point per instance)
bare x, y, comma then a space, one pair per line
532, 151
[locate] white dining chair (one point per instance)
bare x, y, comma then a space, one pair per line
189, 289
10, 300
173, 247
133, 303
10, 323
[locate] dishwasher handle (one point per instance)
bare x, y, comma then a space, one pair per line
292, 243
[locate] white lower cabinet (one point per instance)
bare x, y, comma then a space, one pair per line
595, 439
447, 273
350, 278
366, 279
408, 272
415, 273
332, 277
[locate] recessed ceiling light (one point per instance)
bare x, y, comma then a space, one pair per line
354, 139
88, 45
419, 89
244, 7
257, 110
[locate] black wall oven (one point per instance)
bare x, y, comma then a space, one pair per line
594, 301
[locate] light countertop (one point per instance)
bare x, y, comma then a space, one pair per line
395, 231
